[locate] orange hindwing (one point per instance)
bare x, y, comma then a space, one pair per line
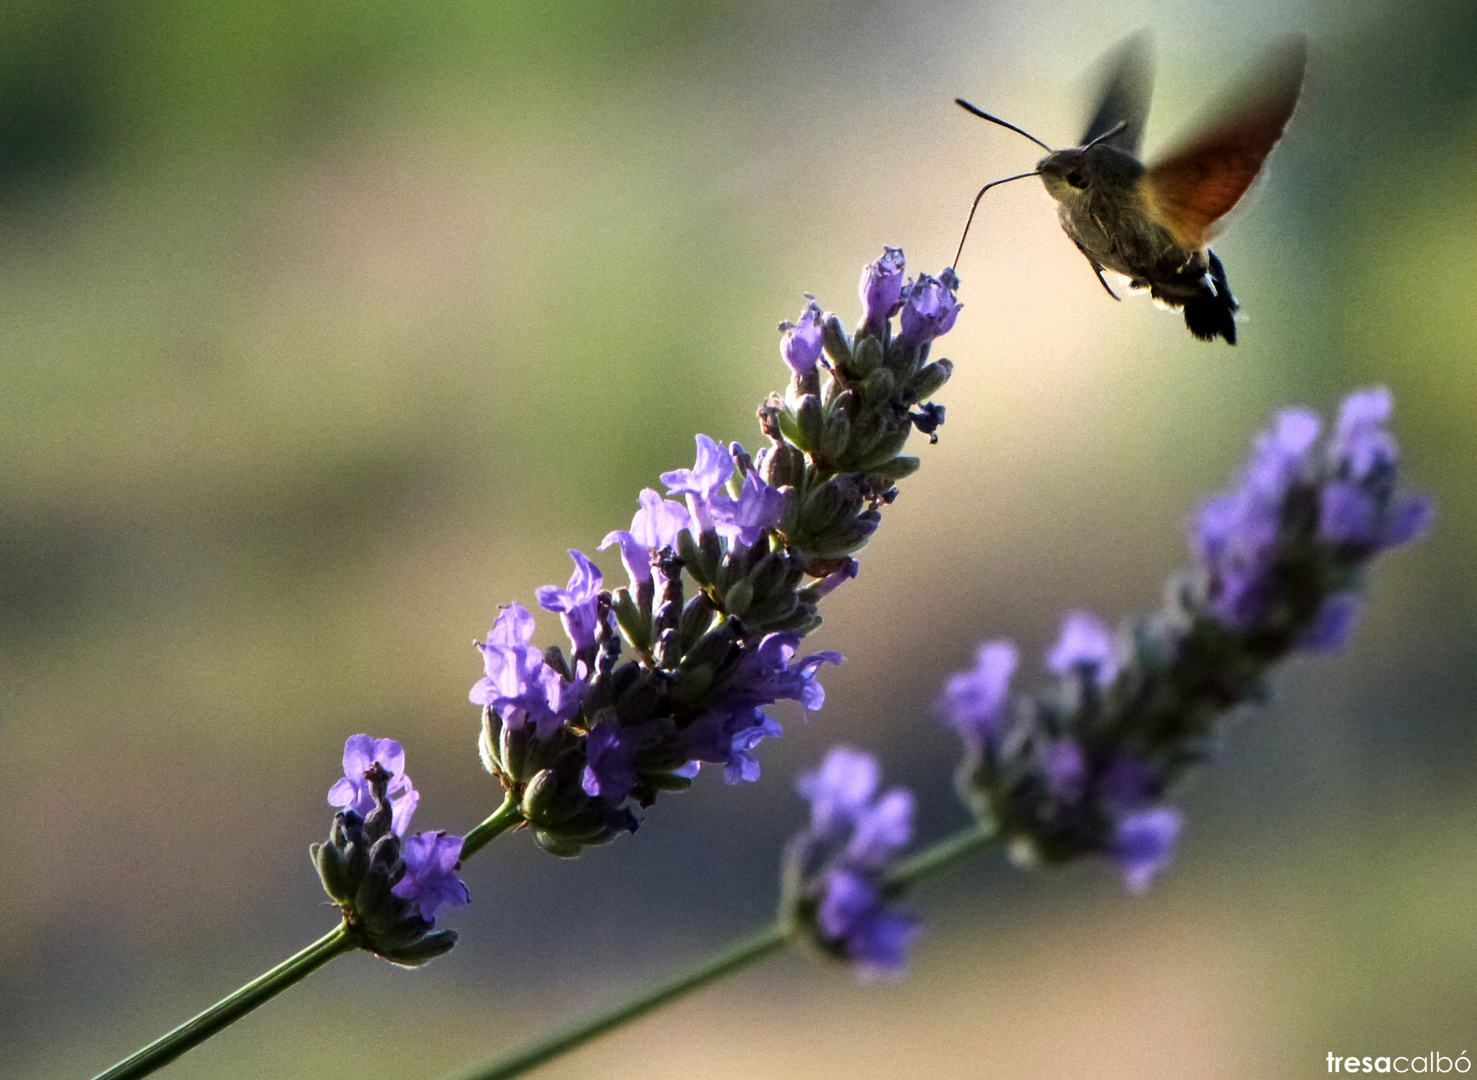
1191, 188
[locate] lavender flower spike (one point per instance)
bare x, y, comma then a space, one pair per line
835, 868
388, 886
1083, 767
679, 667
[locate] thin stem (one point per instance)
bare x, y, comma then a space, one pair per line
500, 821
736, 956
935, 859
291, 971
940, 856
230, 1009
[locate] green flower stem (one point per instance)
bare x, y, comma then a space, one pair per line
725, 961
940, 856
230, 1009
935, 859
500, 821
291, 971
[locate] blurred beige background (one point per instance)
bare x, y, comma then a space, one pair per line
327, 328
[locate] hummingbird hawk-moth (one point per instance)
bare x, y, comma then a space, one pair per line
1153, 224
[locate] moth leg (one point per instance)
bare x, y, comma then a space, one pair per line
1096, 269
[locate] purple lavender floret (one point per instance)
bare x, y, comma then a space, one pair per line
875, 937
1083, 767
882, 291
800, 342
654, 527
430, 881
577, 602
1143, 844
610, 762
1359, 507
519, 685
759, 507
929, 309
769, 673
837, 866
1238, 531
1085, 647
703, 483
682, 666
355, 792
974, 702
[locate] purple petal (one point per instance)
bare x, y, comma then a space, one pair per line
609, 771
1331, 628
1065, 768
882, 830
430, 880
974, 701
713, 468
1144, 844
839, 789
1408, 520
800, 344
1085, 642
929, 309
881, 290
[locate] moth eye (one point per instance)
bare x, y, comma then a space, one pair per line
1077, 178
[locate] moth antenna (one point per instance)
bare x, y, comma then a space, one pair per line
1117, 129
967, 107
976, 206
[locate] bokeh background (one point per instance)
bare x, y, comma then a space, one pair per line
326, 328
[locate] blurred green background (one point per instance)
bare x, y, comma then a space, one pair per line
327, 328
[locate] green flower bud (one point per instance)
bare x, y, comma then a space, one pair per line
697, 620
692, 559
883, 450
809, 423
878, 387
423, 950
737, 599
869, 357
689, 684
897, 468
634, 623
836, 343
333, 872
784, 466
931, 379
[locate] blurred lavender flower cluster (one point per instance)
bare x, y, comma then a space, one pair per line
675, 669
388, 885
835, 870
1084, 766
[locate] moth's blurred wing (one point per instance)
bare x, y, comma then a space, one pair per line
1192, 187
1127, 84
